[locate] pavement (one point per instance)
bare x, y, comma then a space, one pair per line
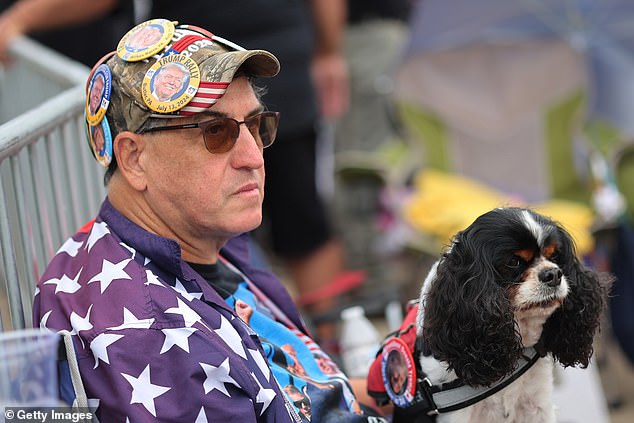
617, 380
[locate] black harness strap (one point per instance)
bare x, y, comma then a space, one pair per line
435, 399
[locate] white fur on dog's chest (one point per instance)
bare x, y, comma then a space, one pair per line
526, 400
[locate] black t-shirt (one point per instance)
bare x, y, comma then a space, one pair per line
219, 276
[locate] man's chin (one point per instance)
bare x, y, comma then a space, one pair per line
248, 223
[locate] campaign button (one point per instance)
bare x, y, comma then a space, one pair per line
145, 40
100, 141
399, 372
98, 95
170, 83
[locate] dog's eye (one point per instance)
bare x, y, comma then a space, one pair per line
514, 262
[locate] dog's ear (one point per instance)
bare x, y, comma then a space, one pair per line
468, 321
569, 333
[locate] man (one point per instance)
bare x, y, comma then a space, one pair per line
397, 372
307, 37
171, 321
300, 400
168, 82
95, 94
144, 38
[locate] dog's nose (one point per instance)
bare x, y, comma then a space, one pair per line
551, 277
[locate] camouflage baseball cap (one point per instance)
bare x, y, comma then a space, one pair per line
162, 69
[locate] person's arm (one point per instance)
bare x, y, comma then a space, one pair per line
27, 16
360, 389
330, 72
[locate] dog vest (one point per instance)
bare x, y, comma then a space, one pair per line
416, 395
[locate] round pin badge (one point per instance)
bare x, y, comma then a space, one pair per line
98, 96
100, 140
399, 372
170, 83
145, 40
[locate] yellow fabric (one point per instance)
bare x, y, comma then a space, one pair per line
443, 204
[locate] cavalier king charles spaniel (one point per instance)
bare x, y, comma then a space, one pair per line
510, 281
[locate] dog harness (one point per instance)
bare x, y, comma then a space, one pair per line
417, 395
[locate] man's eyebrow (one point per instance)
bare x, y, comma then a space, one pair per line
216, 114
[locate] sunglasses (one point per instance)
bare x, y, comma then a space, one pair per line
220, 134
302, 402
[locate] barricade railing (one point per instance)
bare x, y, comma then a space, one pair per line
49, 185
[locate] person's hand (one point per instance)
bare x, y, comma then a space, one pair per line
330, 76
244, 311
9, 29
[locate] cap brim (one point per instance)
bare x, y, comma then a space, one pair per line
223, 66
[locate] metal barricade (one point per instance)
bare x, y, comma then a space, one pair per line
49, 184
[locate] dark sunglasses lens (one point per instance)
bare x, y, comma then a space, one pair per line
267, 128
302, 402
220, 135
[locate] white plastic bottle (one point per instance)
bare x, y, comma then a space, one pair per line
359, 342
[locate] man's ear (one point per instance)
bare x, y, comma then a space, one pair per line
129, 149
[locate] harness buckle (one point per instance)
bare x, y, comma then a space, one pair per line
425, 390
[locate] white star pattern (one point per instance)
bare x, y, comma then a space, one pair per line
231, 337
265, 396
99, 347
130, 249
143, 391
98, 231
131, 321
152, 279
217, 377
178, 337
261, 362
80, 323
189, 315
178, 286
110, 272
70, 247
44, 319
202, 417
65, 284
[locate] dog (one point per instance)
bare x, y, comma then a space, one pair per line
510, 281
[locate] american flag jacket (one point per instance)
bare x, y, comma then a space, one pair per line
154, 341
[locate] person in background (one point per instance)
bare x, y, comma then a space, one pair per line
363, 133
307, 37
81, 30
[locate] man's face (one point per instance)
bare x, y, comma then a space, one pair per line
301, 401
144, 37
168, 82
200, 196
98, 138
398, 378
95, 94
